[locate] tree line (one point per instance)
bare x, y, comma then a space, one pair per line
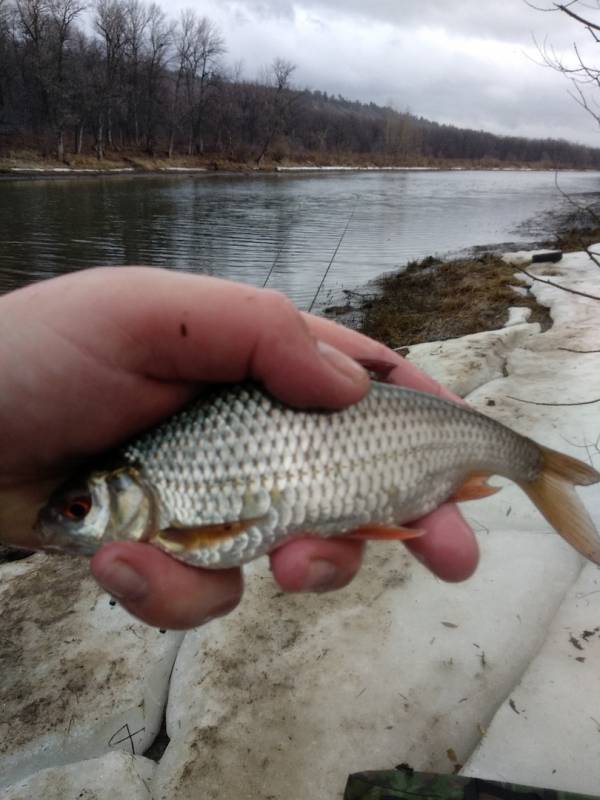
121, 76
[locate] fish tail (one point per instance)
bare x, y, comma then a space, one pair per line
554, 495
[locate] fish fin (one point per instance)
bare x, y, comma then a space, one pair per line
475, 488
194, 538
384, 533
554, 495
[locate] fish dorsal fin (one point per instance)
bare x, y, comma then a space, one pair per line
197, 537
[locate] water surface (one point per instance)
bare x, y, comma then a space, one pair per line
304, 234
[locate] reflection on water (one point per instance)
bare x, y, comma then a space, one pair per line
287, 229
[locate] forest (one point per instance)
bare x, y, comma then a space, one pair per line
121, 78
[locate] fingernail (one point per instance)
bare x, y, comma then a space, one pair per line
122, 581
342, 363
321, 576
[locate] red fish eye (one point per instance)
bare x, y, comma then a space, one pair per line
77, 508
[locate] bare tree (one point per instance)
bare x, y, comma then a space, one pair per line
45, 27
136, 18
160, 34
7, 65
279, 101
110, 23
199, 46
63, 14
584, 77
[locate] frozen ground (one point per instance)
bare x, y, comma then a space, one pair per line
286, 696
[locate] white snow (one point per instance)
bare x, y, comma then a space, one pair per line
79, 677
546, 732
288, 695
517, 316
310, 168
115, 776
472, 361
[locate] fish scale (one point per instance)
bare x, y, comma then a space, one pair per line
376, 462
237, 473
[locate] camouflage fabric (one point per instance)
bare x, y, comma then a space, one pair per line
405, 784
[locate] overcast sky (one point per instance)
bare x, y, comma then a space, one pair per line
466, 62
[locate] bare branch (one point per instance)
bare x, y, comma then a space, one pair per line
582, 352
565, 8
558, 286
557, 405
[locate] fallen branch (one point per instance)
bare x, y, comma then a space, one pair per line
594, 256
558, 286
362, 295
583, 352
560, 405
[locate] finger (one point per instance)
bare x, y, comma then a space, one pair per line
177, 327
316, 565
162, 591
362, 348
449, 548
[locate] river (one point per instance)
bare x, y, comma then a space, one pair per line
307, 234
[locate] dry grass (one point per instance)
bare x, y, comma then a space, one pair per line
435, 300
575, 239
29, 159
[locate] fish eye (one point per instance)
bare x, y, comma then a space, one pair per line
77, 508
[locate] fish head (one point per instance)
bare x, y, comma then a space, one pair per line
84, 514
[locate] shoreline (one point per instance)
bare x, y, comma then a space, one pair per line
437, 299
15, 169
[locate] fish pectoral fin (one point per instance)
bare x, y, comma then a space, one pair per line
194, 538
476, 487
384, 533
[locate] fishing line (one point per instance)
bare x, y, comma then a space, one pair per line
274, 264
286, 239
333, 257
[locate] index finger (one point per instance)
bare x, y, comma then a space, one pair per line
189, 329
362, 348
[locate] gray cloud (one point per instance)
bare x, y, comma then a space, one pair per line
511, 20
467, 62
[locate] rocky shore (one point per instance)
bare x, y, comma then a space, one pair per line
285, 697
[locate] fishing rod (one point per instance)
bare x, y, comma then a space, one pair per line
333, 257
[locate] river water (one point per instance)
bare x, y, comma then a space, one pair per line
308, 235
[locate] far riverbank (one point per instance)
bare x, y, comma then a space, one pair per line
19, 164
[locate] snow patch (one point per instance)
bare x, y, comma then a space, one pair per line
79, 677
116, 776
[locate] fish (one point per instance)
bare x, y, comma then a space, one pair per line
237, 473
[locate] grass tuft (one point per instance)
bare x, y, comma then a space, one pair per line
433, 300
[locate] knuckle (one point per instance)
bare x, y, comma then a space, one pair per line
277, 303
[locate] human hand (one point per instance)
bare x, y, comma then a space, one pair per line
92, 358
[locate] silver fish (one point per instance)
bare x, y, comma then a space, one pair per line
237, 473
